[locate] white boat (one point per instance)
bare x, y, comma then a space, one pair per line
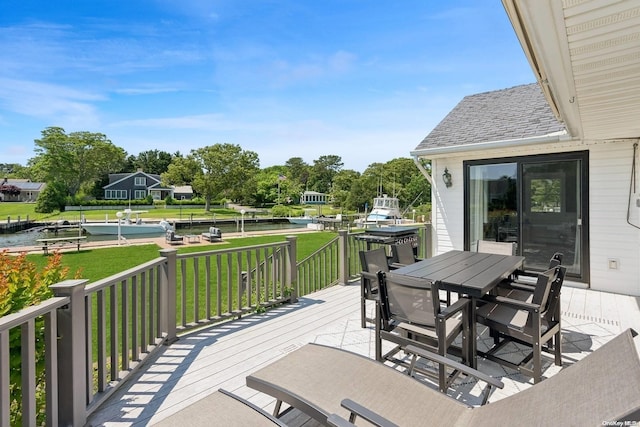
385, 211
126, 226
304, 219
301, 219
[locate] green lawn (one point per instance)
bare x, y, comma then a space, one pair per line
96, 264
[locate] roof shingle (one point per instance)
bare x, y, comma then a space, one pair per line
506, 114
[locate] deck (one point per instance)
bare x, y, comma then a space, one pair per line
222, 356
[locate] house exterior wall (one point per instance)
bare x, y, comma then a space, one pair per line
611, 237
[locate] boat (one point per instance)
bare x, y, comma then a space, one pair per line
385, 211
126, 225
304, 219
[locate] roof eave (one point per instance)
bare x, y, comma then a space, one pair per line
429, 153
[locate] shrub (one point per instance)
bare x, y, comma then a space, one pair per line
279, 211
21, 286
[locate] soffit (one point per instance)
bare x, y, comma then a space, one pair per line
586, 54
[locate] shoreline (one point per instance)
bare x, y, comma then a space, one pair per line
160, 241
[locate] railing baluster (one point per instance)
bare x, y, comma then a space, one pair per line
28, 371
229, 285
51, 367
88, 321
183, 302
4, 378
219, 285
144, 326
113, 307
196, 299
124, 304
207, 284
239, 281
102, 340
135, 351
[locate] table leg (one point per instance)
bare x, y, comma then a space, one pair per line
473, 345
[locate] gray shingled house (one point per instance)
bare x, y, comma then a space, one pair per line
134, 186
551, 165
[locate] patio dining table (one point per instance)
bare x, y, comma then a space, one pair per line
472, 274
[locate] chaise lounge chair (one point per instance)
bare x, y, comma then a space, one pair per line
602, 388
223, 408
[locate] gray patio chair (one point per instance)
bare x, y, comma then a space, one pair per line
402, 255
371, 261
173, 239
526, 280
499, 248
604, 387
531, 318
410, 315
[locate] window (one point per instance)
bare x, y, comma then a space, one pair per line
140, 181
115, 194
139, 194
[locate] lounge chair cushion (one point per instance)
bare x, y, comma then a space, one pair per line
320, 377
220, 409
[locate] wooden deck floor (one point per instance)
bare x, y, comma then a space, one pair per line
222, 356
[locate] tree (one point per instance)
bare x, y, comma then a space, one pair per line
225, 170
153, 161
297, 171
323, 171
181, 171
52, 198
341, 187
75, 160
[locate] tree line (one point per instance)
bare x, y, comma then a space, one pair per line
76, 167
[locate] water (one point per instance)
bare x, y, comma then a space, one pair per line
28, 238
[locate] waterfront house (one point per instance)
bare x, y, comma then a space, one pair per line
134, 186
29, 191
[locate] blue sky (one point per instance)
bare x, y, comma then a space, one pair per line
364, 80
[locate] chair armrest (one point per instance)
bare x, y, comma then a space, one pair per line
522, 286
370, 276
395, 265
520, 305
336, 420
456, 365
454, 308
366, 413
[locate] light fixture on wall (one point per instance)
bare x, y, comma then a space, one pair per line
446, 177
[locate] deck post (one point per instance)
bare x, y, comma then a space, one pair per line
168, 297
428, 240
293, 267
72, 359
343, 257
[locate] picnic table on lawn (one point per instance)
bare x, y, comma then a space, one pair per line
60, 241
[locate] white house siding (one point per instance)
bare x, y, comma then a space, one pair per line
610, 235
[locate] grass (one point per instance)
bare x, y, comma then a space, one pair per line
96, 264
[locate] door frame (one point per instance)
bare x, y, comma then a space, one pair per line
583, 156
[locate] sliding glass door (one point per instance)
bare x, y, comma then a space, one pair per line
538, 202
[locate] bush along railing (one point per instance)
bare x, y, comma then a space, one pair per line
106, 329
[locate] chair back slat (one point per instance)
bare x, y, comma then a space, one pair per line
373, 261
409, 300
403, 254
498, 248
554, 294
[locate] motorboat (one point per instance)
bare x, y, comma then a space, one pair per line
129, 223
385, 211
304, 219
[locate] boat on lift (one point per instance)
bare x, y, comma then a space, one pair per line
385, 211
